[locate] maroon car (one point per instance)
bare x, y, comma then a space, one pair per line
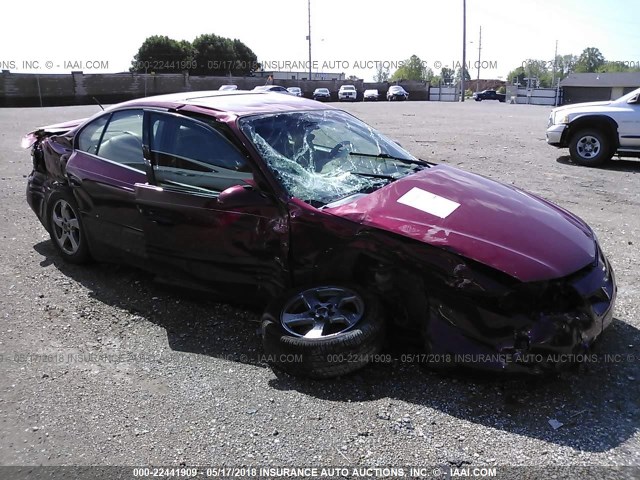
344, 235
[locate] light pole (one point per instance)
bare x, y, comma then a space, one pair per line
479, 53
309, 37
464, 48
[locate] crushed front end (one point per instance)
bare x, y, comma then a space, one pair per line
530, 327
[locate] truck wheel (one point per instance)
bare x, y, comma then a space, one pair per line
590, 148
323, 331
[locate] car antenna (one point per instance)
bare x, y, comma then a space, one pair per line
99, 104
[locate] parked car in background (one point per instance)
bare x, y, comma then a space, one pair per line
297, 91
396, 92
347, 93
489, 95
346, 236
228, 87
321, 94
271, 88
595, 131
370, 95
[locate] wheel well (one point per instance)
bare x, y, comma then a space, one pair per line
596, 122
403, 292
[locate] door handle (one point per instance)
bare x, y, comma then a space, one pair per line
156, 217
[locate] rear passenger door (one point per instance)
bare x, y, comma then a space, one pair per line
106, 163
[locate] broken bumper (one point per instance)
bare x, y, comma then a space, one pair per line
535, 342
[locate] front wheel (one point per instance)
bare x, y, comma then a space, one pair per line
66, 228
590, 148
323, 331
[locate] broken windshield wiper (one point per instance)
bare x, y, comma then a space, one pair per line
375, 175
391, 157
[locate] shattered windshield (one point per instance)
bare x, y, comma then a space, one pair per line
322, 156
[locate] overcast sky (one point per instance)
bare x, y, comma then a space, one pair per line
344, 31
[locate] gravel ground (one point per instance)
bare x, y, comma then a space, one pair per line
102, 366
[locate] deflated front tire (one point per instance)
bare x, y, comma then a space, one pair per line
324, 331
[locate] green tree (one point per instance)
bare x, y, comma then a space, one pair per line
610, 67
382, 74
447, 75
162, 54
458, 77
531, 73
217, 55
590, 61
565, 64
413, 69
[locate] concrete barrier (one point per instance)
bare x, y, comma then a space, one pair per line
77, 88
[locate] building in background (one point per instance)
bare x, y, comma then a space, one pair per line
593, 87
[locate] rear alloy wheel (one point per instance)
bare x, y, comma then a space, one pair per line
590, 148
324, 331
66, 229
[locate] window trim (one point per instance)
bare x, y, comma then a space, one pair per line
147, 135
109, 114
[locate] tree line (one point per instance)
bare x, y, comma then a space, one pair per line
547, 73
208, 54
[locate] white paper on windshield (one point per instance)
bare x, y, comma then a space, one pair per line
428, 202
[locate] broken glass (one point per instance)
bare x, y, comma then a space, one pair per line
324, 155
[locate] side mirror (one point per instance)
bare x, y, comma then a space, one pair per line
634, 100
244, 195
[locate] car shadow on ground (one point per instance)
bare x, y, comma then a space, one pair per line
615, 164
599, 406
195, 322
598, 403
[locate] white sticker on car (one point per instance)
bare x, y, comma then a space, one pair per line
428, 202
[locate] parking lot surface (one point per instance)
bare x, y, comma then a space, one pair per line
100, 365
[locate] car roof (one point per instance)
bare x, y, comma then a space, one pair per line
237, 102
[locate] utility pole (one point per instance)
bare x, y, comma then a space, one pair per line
479, 57
309, 37
555, 65
464, 48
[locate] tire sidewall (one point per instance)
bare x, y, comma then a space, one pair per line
602, 156
326, 357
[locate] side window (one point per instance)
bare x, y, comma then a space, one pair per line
188, 154
89, 137
122, 139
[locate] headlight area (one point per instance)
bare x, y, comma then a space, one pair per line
531, 328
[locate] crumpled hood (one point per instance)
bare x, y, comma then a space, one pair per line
495, 224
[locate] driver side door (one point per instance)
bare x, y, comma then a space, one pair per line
202, 213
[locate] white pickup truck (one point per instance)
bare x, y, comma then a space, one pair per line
596, 131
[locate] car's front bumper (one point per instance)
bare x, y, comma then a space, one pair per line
541, 339
554, 135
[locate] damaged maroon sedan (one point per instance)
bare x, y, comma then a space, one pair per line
345, 235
